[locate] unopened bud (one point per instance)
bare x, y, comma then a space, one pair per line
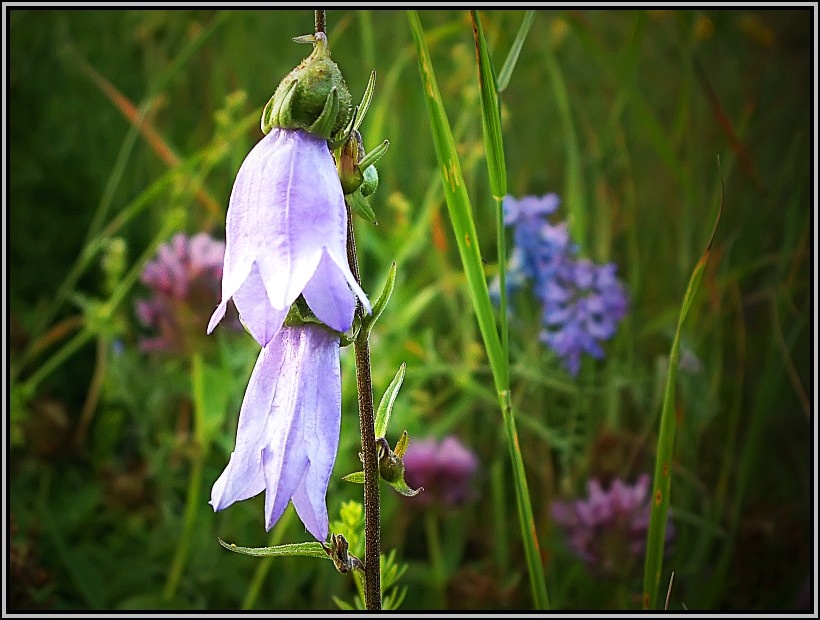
313, 96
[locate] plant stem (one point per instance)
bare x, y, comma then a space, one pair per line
189, 522
435, 556
364, 384
321, 21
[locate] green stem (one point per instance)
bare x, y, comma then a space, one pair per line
438, 570
525, 517
66, 351
189, 521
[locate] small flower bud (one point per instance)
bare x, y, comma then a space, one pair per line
391, 466
313, 96
350, 174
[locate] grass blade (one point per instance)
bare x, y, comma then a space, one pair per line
496, 168
460, 211
574, 187
662, 481
515, 51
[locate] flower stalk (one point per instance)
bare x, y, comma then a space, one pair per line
370, 460
367, 422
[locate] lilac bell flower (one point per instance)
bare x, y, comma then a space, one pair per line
286, 235
288, 429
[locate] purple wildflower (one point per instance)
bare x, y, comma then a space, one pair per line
608, 529
183, 278
539, 246
583, 304
288, 429
286, 235
446, 471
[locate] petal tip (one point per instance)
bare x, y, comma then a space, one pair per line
216, 317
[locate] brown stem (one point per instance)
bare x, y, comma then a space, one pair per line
321, 21
372, 534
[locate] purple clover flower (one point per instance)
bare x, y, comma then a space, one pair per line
183, 278
582, 302
445, 469
608, 529
288, 430
286, 235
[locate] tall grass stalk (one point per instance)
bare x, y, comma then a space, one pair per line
662, 480
460, 211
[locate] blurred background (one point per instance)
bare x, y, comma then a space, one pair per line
126, 129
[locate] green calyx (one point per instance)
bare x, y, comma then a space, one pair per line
301, 314
313, 96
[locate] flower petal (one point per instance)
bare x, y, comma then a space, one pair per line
340, 259
242, 477
329, 296
261, 319
320, 426
300, 210
283, 472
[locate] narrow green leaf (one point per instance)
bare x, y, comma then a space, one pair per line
491, 113
574, 197
662, 481
307, 550
515, 50
401, 444
367, 97
386, 403
356, 477
401, 488
496, 168
360, 205
381, 302
458, 205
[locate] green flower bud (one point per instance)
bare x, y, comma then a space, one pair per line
371, 181
313, 96
391, 468
347, 165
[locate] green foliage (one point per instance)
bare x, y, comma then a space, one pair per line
623, 114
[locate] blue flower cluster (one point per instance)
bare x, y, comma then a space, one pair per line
582, 302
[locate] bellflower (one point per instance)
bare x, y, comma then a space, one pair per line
288, 428
608, 529
286, 235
